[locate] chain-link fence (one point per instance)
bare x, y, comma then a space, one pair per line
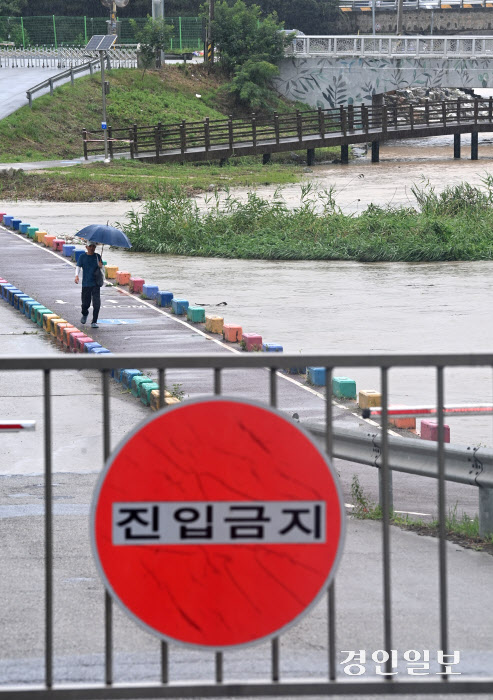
76, 31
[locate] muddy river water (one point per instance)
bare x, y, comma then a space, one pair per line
343, 307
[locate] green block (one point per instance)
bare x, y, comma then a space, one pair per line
31, 231
196, 314
145, 392
34, 308
343, 387
136, 383
39, 316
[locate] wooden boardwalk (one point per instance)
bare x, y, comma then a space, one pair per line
221, 139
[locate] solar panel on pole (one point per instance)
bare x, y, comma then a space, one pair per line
101, 42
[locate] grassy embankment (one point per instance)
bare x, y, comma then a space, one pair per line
52, 130
456, 224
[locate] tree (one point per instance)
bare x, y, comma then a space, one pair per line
153, 38
251, 83
11, 7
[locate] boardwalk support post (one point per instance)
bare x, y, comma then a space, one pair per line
456, 145
310, 156
344, 153
207, 137
110, 141
321, 122
157, 139
299, 125
276, 126
375, 151
131, 142
350, 117
84, 142
474, 145
266, 158
183, 136
254, 131
230, 132
135, 138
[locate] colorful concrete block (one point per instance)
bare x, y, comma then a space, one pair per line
116, 374
368, 398
57, 244
7, 220
16, 223
54, 323
251, 342
48, 239
23, 227
23, 302
40, 235
232, 333
3, 287
429, 431
81, 342
67, 250
164, 298
272, 347
34, 308
179, 306
100, 351
196, 314
168, 400
73, 340
31, 231
149, 291
316, 375
137, 382
343, 387
89, 346
67, 332
135, 285
60, 330
295, 370
128, 375
47, 319
214, 324
2, 214
145, 392
39, 316
18, 297
10, 294
403, 423
28, 305
76, 253
110, 272
122, 277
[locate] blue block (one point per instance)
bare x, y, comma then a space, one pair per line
10, 295
99, 351
127, 375
7, 221
68, 250
179, 306
149, 291
296, 370
77, 253
23, 302
28, 305
272, 347
16, 223
116, 374
316, 375
5, 288
89, 346
23, 227
164, 298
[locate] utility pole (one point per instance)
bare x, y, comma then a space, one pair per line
210, 42
399, 16
102, 56
157, 9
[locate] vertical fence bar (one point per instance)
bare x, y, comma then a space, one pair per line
179, 26
23, 35
386, 506
275, 646
48, 533
85, 29
331, 650
441, 519
108, 609
217, 380
54, 31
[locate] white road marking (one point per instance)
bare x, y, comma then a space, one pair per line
59, 301
402, 512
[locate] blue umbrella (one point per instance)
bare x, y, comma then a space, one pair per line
107, 235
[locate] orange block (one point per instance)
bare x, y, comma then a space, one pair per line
60, 329
54, 323
48, 239
67, 332
122, 277
403, 423
231, 333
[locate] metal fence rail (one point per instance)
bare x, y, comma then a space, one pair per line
217, 686
64, 57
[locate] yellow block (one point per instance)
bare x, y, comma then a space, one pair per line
40, 235
467, 6
345, 9
214, 324
446, 7
168, 399
47, 318
110, 271
368, 398
54, 323
365, 9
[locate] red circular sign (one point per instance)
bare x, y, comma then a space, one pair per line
217, 523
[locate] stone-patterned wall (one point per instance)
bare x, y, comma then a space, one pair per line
477, 22
330, 82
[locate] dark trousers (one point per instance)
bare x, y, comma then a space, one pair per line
91, 294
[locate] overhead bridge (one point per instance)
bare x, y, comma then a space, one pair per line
224, 138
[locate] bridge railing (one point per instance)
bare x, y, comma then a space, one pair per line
386, 46
295, 128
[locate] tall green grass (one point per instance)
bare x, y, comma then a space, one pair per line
456, 224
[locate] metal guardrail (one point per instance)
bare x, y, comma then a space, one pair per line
335, 442
61, 77
390, 46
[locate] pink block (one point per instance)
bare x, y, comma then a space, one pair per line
429, 431
136, 284
251, 342
57, 244
81, 341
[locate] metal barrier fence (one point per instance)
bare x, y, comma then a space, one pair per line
388, 46
76, 31
64, 57
279, 686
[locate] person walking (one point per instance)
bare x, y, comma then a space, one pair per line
88, 264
